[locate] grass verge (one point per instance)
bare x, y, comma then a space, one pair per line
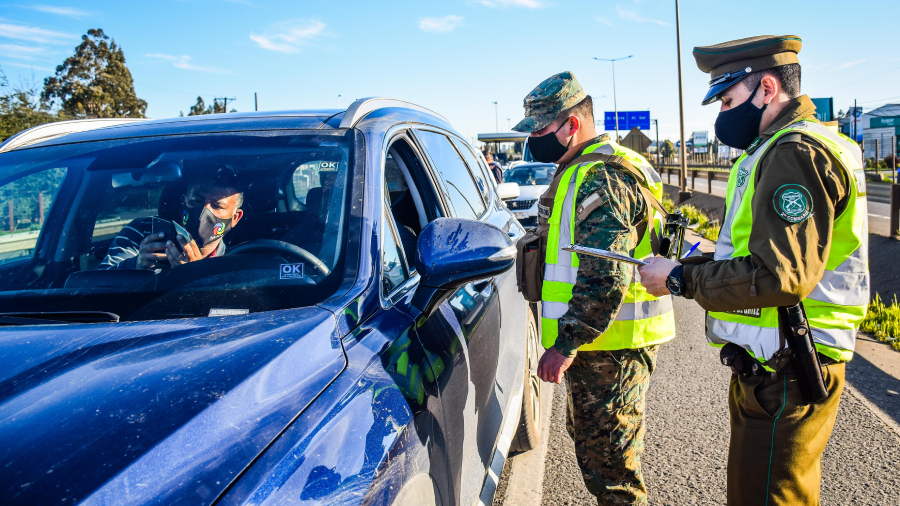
706, 228
883, 321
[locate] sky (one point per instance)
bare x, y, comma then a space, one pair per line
456, 57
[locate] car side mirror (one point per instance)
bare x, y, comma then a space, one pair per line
452, 252
507, 191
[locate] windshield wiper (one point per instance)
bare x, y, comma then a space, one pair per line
57, 318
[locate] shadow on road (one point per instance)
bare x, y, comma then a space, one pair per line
877, 386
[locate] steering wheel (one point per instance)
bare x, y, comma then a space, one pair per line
286, 248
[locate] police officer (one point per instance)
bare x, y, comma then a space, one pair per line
795, 231
600, 327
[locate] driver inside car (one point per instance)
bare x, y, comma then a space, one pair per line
210, 208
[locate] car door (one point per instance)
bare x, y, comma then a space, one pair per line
465, 332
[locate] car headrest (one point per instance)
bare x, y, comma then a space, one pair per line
170, 202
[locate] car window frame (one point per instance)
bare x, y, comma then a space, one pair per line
482, 166
397, 133
436, 171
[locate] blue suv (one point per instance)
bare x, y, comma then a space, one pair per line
305, 307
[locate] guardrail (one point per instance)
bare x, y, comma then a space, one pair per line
710, 171
26, 240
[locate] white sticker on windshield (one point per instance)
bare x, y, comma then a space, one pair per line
227, 312
291, 271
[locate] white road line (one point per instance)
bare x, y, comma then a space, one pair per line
879, 216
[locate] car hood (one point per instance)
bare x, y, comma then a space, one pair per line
162, 412
529, 192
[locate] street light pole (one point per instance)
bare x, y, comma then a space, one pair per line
656, 123
496, 118
615, 104
683, 194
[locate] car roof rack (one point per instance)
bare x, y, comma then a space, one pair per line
363, 106
48, 131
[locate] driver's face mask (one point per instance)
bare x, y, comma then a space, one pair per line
204, 226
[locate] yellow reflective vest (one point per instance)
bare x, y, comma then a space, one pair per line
838, 303
643, 320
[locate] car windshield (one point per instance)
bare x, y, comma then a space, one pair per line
530, 175
87, 227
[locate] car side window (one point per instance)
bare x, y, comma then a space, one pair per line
394, 272
462, 191
24, 204
479, 171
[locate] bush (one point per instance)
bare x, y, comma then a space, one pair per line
710, 231
667, 203
694, 215
883, 321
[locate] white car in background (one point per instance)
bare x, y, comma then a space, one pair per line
533, 180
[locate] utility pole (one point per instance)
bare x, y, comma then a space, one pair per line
684, 194
615, 104
224, 101
255, 102
496, 118
656, 123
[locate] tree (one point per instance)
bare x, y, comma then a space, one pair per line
94, 82
21, 107
668, 149
201, 108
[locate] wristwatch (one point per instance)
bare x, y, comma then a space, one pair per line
673, 281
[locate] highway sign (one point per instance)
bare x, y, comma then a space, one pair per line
627, 120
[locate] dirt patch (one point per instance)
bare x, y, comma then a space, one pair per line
884, 266
712, 205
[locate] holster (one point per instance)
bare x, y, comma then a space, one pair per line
804, 358
530, 266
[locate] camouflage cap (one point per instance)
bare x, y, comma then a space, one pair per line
553, 96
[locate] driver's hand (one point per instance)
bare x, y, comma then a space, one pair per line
148, 258
190, 251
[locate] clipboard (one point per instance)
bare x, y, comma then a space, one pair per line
602, 253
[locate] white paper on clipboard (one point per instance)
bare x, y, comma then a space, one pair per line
602, 253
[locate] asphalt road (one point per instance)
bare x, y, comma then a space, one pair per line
687, 435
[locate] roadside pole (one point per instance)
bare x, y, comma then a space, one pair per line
895, 209
684, 194
875, 156
656, 122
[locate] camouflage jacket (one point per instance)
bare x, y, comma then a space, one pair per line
601, 284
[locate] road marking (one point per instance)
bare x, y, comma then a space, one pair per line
879, 216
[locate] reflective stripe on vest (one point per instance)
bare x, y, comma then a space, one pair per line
642, 320
838, 303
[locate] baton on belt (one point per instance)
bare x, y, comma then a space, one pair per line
804, 358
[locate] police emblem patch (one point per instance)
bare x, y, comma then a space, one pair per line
793, 203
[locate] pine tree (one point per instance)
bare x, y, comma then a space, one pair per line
199, 108
94, 82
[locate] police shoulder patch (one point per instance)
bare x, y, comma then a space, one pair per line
793, 203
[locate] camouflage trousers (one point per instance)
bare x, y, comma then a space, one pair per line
606, 420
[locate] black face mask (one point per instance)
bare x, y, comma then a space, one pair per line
204, 226
547, 148
739, 127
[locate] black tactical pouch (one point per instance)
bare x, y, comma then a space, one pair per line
530, 266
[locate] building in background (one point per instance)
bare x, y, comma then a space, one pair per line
881, 131
824, 109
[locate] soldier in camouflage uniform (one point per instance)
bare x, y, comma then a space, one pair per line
606, 386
